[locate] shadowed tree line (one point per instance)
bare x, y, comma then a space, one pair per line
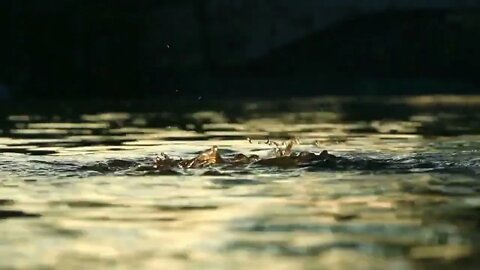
419, 44
71, 47
88, 49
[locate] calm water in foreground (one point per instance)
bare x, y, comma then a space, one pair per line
78, 190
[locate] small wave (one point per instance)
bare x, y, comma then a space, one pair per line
282, 158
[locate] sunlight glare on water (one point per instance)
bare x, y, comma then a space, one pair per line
79, 189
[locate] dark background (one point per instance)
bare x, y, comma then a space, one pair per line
77, 49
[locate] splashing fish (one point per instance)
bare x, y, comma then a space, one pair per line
282, 157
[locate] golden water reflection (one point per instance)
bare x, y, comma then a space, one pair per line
75, 191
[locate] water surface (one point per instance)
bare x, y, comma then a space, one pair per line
78, 188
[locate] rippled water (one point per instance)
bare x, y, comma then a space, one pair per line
78, 188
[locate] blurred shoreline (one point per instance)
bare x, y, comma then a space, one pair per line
148, 49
